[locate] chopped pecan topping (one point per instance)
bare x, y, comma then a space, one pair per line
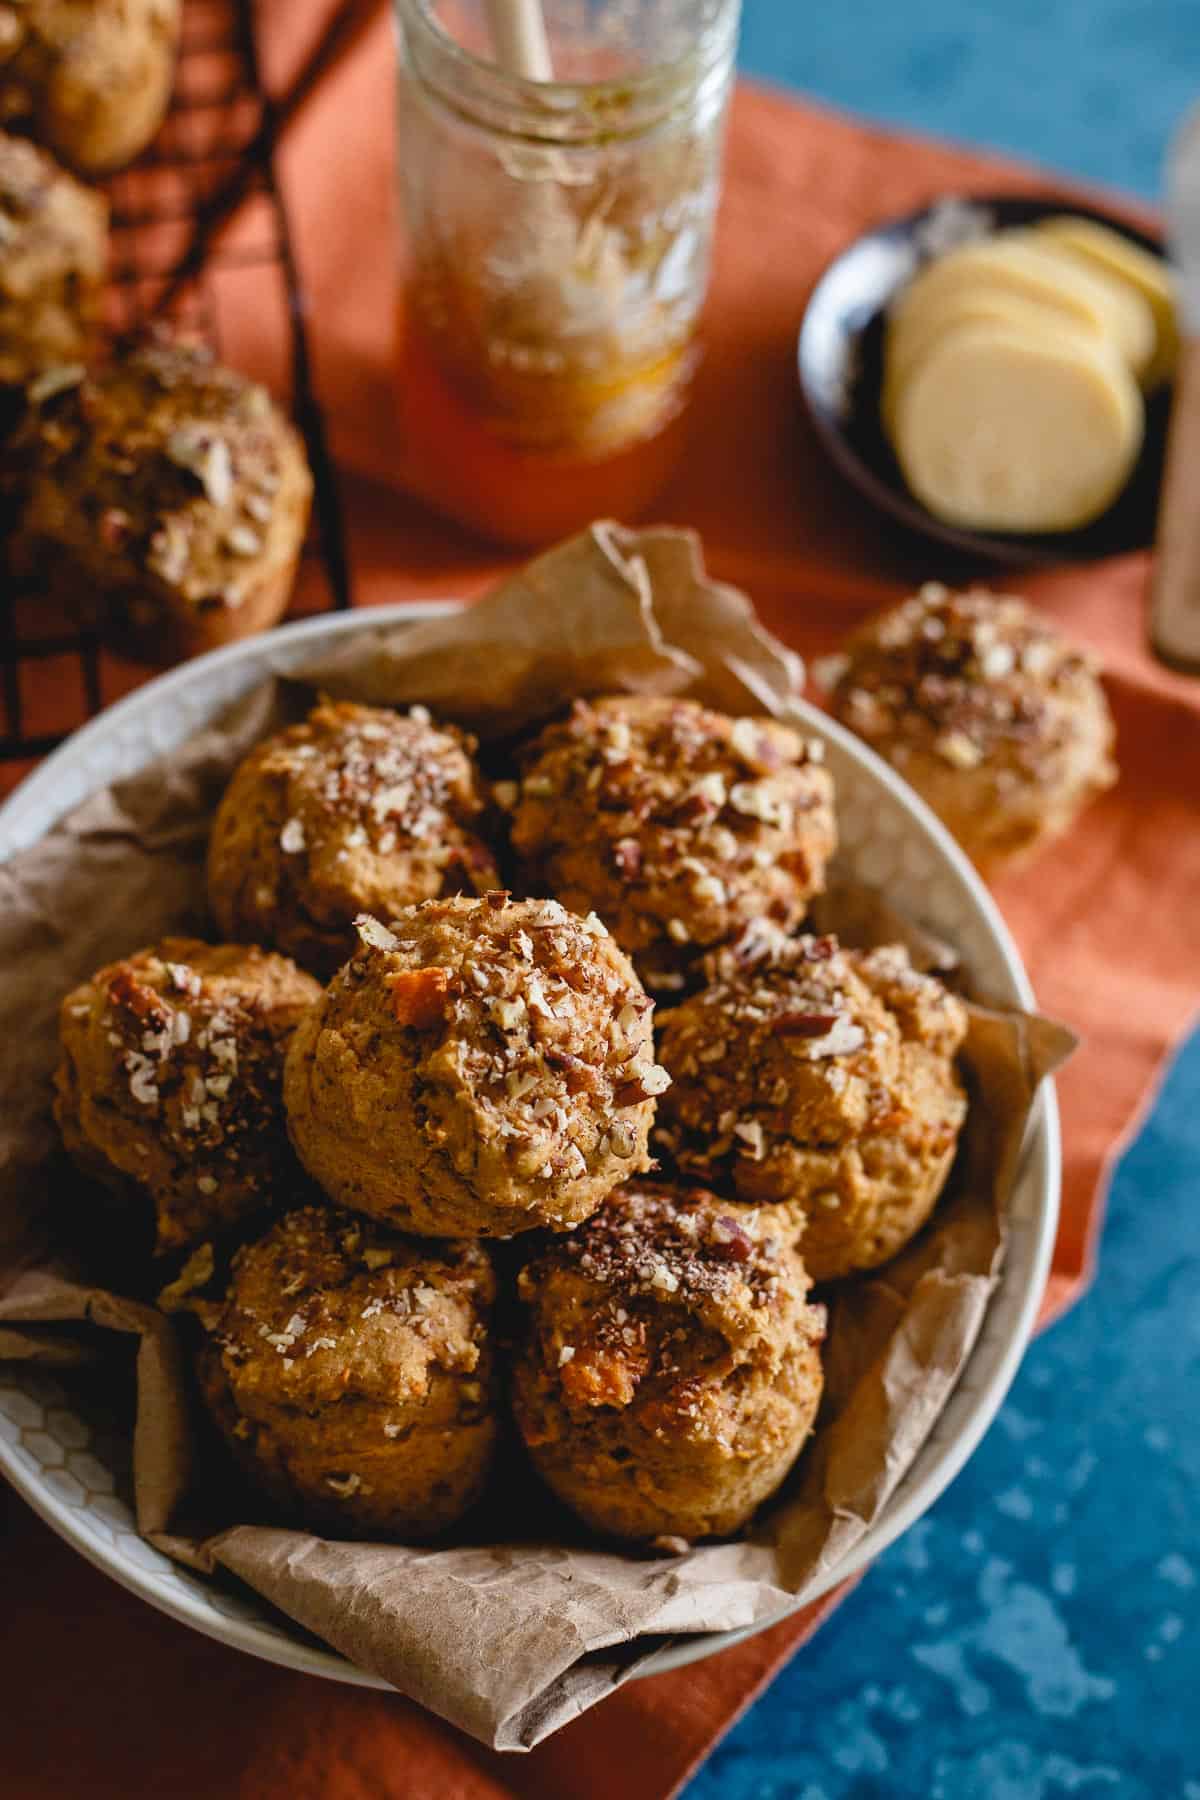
805, 1024
733, 1242
115, 528
132, 996
579, 1077
371, 932
646, 1086
627, 855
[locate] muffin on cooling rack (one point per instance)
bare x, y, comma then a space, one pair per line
89, 78
360, 809
996, 721
168, 502
350, 1372
670, 1370
53, 250
676, 824
824, 1078
169, 1083
484, 1067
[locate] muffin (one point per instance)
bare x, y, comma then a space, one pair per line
999, 725
360, 809
676, 824
823, 1078
350, 1372
484, 1067
169, 1083
168, 502
53, 252
670, 1371
89, 78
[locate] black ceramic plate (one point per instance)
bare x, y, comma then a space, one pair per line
840, 356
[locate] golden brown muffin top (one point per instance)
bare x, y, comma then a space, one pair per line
53, 250
45, 216
385, 773
35, 34
328, 1307
665, 1285
55, 23
354, 785
190, 1036
171, 465
966, 677
526, 1012
689, 815
796, 1037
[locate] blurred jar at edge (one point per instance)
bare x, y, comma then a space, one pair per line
556, 247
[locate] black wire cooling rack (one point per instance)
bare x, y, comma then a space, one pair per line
197, 215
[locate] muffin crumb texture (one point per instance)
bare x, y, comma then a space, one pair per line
350, 1371
168, 502
999, 724
53, 254
169, 1083
678, 825
360, 809
89, 78
670, 1370
820, 1078
483, 1066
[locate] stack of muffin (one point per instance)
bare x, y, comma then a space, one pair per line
162, 498
483, 1065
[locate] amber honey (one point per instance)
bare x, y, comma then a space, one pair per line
530, 461
555, 255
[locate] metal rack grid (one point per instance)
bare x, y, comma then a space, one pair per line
172, 250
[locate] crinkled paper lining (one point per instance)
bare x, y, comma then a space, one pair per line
610, 610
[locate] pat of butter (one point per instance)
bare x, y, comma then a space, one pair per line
1098, 246
1002, 431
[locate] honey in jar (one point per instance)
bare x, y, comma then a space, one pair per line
557, 249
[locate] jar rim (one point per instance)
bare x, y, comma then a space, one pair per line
621, 106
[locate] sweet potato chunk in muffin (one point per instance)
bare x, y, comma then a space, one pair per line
670, 1371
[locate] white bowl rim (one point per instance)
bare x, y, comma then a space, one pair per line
36, 795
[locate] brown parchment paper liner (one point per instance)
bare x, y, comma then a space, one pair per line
508, 1641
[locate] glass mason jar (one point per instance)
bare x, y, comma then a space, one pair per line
557, 245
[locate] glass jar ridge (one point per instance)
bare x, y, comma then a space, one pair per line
693, 77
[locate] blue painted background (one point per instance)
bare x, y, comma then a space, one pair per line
1089, 86
1038, 1634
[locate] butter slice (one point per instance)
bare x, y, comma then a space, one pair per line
1019, 262
917, 329
1131, 322
998, 430
1100, 247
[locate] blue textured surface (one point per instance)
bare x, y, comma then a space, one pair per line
1090, 86
1037, 1634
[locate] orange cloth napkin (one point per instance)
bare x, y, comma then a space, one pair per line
104, 1696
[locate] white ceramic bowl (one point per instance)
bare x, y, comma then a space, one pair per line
73, 1468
